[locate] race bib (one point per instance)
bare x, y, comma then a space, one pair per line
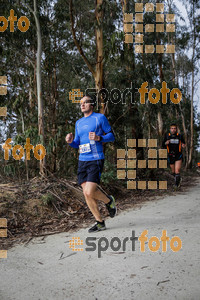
84, 148
174, 141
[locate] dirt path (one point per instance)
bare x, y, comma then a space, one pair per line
47, 268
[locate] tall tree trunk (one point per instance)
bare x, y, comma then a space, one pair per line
161, 76
192, 97
54, 111
159, 115
39, 88
23, 131
175, 80
99, 50
130, 66
185, 134
97, 73
160, 124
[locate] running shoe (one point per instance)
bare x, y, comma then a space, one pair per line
111, 207
97, 227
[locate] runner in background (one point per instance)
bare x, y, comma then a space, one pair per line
174, 142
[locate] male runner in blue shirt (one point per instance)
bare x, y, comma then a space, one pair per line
89, 135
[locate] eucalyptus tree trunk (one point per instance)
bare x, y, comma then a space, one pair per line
97, 72
191, 149
99, 50
39, 88
175, 80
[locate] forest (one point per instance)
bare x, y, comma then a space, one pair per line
138, 61
52, 50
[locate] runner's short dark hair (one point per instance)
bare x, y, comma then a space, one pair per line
173, 124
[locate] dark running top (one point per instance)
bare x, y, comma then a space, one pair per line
175, 142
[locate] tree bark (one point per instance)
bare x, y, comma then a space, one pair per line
97, 73
39, 88
99, 51
192, 97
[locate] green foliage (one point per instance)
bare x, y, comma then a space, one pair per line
109, 173
63, 69
9, 170
47, 199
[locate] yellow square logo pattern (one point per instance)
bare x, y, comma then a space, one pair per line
75, 93
76, 241
3, 233
127, 163
163, 24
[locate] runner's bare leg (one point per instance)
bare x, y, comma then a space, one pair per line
92, 194
98, 194
172, 168
178, 164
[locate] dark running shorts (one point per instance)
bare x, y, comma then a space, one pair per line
172, 157
90, 170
